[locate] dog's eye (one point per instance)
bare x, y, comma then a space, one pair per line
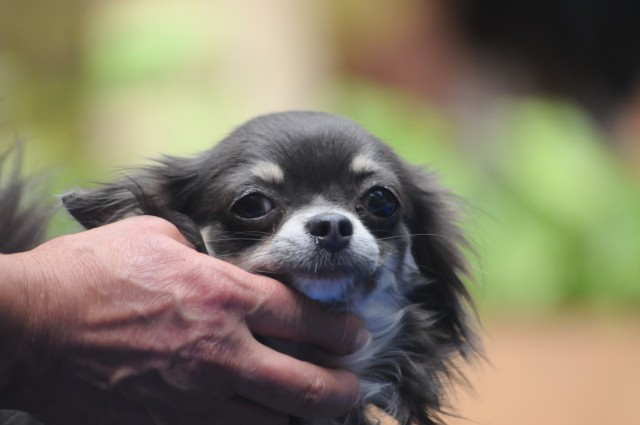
380, 202
253, 205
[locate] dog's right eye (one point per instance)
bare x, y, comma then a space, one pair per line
381, 202
253, 205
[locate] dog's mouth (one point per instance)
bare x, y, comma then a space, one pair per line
333, 287
325, 287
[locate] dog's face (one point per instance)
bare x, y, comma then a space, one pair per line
314, 204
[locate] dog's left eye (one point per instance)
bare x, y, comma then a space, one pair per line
380, 202
253, 205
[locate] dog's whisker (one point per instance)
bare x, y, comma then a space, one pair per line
416, 235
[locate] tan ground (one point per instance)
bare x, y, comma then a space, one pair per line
563, 372
576, 371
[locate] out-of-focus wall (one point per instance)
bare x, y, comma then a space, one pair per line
129, 79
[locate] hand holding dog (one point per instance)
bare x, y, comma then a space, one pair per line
132, 326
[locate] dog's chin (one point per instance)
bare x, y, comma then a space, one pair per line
332, 288
328, 289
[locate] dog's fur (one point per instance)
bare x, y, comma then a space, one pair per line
23, 211
320, 204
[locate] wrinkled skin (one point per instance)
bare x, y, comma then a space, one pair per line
126, 323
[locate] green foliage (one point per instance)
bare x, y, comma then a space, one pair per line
136, 45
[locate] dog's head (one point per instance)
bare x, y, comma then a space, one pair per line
320, 204
311, 199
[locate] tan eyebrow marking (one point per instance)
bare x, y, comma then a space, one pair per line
268, 171
361, 164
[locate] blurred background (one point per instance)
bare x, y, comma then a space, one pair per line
530, 110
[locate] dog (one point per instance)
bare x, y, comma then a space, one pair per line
320, 204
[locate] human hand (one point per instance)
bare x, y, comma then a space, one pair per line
133, 326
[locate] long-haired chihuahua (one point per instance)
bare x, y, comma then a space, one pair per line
318, 203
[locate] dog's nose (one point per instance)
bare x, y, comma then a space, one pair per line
332, 231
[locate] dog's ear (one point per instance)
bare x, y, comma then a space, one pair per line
105, 204
438, 245
167, 185
165, 190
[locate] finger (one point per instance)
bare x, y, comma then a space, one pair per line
295, 387
168, 405
285, 314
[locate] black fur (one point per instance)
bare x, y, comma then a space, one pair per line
24, 211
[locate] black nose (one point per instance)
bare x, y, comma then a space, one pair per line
332, 231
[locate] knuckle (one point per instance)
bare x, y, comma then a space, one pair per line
156, 224
312, 395
234, 292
